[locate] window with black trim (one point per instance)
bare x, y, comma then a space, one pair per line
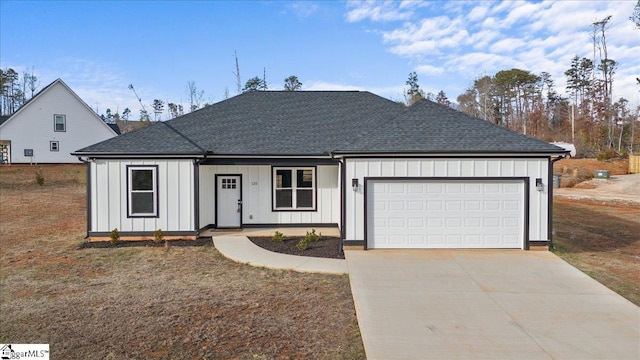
59, 123
142, 188
54, 146
294, 188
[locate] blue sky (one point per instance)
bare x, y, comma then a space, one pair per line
99, 48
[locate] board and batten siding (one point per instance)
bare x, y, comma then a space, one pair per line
32, 127
455, 167
175, 196
257, 195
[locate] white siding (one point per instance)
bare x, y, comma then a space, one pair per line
175, 196
33, 127
458, 167
257, 193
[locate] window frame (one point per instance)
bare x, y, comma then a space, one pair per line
294, 188
154, 191
51, 145
64, 122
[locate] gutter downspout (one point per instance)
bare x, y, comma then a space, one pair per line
550, 200
343, 215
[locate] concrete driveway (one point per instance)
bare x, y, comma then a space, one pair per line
486, 304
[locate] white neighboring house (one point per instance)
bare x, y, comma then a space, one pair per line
48, 127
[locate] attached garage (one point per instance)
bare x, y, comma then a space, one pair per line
450, 213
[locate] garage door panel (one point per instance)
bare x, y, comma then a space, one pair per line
445, 214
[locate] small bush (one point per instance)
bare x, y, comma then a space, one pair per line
278, 237
312, 236
303, 244
114, 236
158, 236
39, 177
607, 155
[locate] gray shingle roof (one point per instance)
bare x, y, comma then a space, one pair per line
317, 123
430, 127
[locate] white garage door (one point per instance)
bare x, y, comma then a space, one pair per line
445, 214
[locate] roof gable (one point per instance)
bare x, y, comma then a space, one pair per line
43, 91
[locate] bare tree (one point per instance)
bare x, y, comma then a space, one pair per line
237, 74
195, 96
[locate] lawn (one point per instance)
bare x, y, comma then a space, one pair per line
150, 302
602, 240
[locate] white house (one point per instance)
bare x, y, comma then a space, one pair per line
388, 176
47, 128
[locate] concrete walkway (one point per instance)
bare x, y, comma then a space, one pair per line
486, 304
239, 248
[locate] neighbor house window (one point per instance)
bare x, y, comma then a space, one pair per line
54, 146
294, 188
142, 189
60, 123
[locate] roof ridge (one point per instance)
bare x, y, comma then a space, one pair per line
184, 137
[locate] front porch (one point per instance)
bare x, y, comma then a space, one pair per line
332, 231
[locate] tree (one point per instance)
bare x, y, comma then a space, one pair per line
442, 99
126, 113
292, 83
414, 93
158, 108
254, 84
175, 110
635, 17
237, 74
144, 115
195, 96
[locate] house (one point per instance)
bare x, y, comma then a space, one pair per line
388, 176
48, 127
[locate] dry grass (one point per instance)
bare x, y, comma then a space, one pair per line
575, 171
150, 302
602, 240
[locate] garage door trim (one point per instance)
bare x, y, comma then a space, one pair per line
525, 180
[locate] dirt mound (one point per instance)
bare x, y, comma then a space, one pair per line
576, 171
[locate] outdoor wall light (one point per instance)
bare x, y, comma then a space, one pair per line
539, 185
354, 184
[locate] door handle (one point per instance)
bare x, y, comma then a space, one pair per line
239, 205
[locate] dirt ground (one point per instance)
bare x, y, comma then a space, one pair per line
151, 302
574, 171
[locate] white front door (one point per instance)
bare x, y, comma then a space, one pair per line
228, 201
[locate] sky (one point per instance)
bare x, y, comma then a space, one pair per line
99, 48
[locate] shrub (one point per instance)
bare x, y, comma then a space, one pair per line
303, 244
312, 236
158, 236
607, 155
278, 237
39, 177
114, 236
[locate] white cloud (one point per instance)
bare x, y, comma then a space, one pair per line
303, 9
460, 40
429, 70
377, 11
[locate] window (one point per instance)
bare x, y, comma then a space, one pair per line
142, 186
294, 188
54, 146
60, 123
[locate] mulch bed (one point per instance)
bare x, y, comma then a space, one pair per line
326, 247
144, 243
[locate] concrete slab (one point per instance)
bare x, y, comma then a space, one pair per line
239, 248
461, 304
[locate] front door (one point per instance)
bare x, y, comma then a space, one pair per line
228, 201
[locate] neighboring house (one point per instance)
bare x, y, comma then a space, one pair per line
47, 128
388, 176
